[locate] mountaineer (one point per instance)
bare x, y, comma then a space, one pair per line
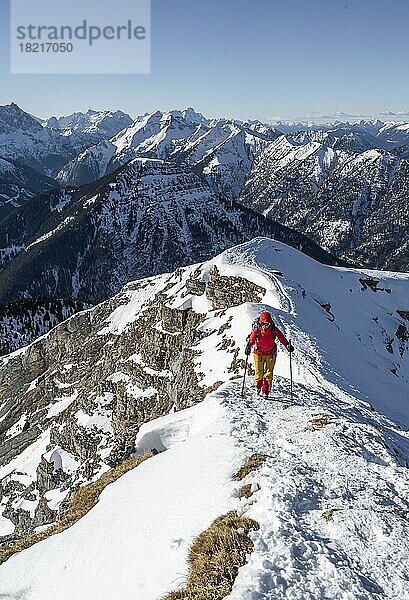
263, 338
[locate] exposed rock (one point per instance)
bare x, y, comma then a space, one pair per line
327, 307
369, 283
43, 514
402, 333
195, 286
224, 292
14, 446
372, 284
48, 477
21, 520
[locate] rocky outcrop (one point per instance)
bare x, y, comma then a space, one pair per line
49, 477
79, 395
194, 285
224, 292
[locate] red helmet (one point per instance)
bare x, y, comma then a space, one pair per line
265, 317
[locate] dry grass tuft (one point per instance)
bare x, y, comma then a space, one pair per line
254, 462
215, 558
245, 491
214, 387
319, 422
328, 515
85, 498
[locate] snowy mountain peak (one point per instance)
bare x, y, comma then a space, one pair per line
13, 119
221, 149
194, 117
105, 122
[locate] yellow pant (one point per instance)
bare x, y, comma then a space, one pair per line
264, 366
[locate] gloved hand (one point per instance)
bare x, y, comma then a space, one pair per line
290, 348
247, 351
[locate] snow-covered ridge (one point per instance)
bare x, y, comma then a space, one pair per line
108, 122
335, 480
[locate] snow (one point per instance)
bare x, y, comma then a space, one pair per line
10, 251
138, 393
26, 463
62, 202
90, 201
362, 549
126, 314
61, 404
159, 327
6, 526
28, 506
4, 416
61, 459
332, 496
49, 234
137, 359
55, 497
60, 385
153, 512
97, 419
17, 427
118, 376
93, 121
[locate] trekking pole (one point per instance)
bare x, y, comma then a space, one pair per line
244, 376
291, 375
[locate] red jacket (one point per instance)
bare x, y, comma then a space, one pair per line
263, 340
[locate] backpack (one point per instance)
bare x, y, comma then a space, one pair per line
256, 325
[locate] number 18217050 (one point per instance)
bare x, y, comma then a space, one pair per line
46, 47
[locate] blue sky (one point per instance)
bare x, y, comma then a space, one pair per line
265, 59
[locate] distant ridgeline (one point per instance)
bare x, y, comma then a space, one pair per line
22, 321
341, 185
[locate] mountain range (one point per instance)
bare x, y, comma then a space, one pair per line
135, 256
220, 150
93, 200
350, 199
48, 145
344, 185
148, 217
